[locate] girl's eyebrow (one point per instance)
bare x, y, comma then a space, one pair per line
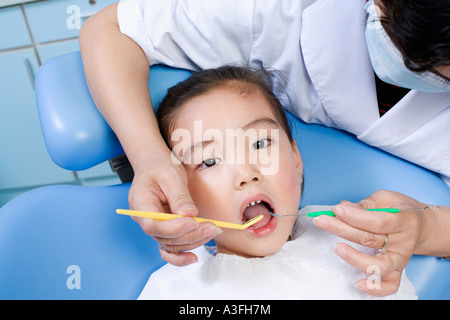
260, 121
201, 143
195, 146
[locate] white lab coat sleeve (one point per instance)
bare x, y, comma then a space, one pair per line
188, 34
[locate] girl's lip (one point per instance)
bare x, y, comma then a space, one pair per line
264, 230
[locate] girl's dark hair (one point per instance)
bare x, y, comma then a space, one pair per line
238, 79
421, 31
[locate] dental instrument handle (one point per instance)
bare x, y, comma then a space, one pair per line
169, 216
392, 210
331, 213
321, 213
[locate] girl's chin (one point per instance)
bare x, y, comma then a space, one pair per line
252, 250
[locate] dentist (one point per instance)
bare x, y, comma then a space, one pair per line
377, 69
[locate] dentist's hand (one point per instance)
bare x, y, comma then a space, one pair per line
161, 186
405, 231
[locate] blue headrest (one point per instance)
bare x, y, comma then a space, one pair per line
75, 133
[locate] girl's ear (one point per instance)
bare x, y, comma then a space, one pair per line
298, 159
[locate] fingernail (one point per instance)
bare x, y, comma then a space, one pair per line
361, 285
192, 260
340, 251
320, 222
338, 210
194, 224
350, 204
212, 232
187, 209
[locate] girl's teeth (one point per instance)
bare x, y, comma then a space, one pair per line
253, 203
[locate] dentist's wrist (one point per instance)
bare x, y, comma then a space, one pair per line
149, 154
434, 239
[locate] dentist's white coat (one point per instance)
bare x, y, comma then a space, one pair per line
319, 45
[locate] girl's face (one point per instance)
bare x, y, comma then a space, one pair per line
240, 163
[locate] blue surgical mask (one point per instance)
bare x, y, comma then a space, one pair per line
387, 61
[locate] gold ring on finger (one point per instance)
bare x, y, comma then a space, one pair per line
383, 249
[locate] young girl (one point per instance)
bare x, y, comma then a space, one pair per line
230, 133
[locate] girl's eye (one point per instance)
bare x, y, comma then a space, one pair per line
263, 143
210, 162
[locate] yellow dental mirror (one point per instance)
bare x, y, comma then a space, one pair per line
169, 216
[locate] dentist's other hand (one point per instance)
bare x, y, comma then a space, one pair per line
406, 233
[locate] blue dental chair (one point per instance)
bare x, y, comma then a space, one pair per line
67, 242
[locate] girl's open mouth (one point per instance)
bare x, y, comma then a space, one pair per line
259, 206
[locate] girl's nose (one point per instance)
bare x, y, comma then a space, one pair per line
247, 174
